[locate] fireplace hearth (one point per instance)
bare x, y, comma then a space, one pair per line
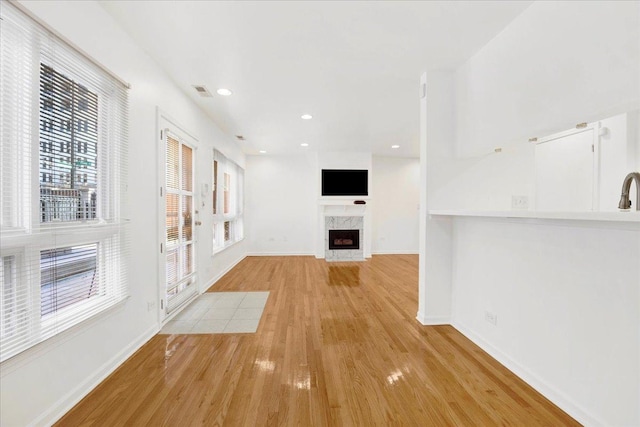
344, 239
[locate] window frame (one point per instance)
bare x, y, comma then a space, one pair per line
183, 138
22, 232
235, 194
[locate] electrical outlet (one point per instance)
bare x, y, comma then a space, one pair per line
519, 202
150, 305
491, 318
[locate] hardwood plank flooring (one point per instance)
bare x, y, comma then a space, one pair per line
338, 345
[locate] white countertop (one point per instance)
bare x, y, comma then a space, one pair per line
626, 216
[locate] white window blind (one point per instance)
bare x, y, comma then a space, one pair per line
63, 142
228, 200
179, 221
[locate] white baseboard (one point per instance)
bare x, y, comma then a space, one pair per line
394, 252
292, 254
433, 320
279, 254
557, 397
69, 400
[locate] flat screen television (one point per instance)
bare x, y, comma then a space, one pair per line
345, 182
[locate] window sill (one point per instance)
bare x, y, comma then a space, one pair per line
227, 246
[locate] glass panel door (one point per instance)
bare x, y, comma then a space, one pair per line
179, 214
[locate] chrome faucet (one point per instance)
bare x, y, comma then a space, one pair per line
625, 203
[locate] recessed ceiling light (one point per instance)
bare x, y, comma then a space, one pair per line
304, 144
395, 146
306, 117
263, 151
224, 92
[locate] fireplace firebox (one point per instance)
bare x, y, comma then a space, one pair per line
344, 239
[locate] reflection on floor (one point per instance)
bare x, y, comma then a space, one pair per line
337, 345
220, 313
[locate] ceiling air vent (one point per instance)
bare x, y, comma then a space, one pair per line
202, 91
240, 137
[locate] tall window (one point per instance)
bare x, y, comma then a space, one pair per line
63, 171
227, 202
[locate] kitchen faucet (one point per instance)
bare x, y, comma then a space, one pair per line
625, 203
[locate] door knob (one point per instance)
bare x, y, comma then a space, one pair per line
198, 222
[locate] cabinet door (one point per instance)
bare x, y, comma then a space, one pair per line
565, 173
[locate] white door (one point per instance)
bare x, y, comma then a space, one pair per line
178, 248
566, 172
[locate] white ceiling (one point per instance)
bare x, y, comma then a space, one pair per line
355, 66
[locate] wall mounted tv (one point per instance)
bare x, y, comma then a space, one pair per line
345, 182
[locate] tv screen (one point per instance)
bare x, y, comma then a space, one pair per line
345, 182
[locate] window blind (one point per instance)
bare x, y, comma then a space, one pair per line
179, 221
63, 148
228, 200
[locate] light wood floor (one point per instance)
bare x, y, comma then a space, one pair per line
338, 345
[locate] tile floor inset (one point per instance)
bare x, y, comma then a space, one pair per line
220, 313
212, 326
248, 313
251, 302
241, 326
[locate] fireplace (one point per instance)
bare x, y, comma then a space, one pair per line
344, 239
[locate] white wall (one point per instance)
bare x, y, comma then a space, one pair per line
281, 204
40, 384
557, 64
282, 194
566, 298
566, 295
546, 72
437, 127
396, 186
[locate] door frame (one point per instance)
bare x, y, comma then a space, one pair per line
594, 128
165, 122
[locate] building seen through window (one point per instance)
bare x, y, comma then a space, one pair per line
68, 148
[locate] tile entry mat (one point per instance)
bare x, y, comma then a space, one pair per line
220, 313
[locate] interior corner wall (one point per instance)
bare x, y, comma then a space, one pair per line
437, 132
544, 73
41, 384
633, 130
281, 199
395, 195
557, 64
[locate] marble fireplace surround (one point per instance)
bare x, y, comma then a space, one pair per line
343, 223
344, 207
